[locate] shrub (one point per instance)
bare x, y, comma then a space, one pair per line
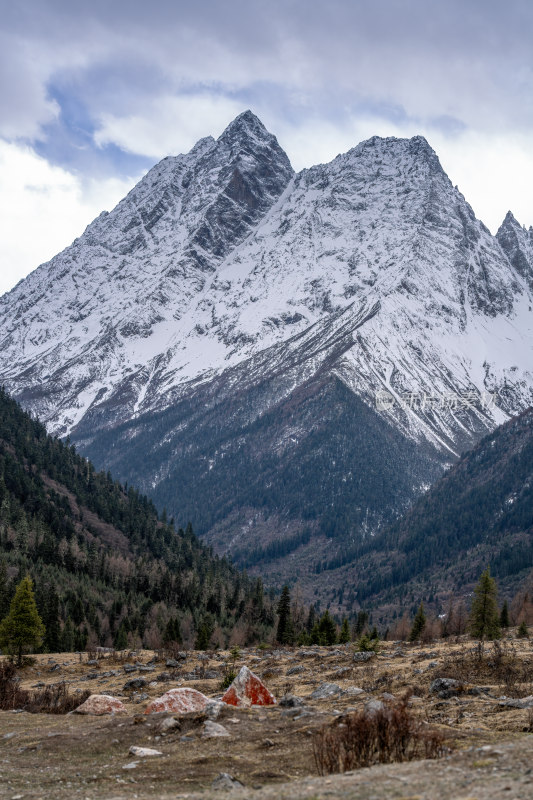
53, 699
366, 645
522, 632
375, 736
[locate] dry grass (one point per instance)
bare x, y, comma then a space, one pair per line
51, 699
499, 665
375, 736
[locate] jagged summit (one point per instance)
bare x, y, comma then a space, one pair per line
517, 243
229, 316
246, 124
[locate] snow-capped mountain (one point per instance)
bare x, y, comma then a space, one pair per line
232, 329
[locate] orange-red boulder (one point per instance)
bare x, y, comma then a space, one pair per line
99, 704
248, 690
179, 701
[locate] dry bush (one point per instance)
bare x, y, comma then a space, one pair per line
499, 665
382, 736
54, 699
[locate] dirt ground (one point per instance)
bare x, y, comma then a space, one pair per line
270, 750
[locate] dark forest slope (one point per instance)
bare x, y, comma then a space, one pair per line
107, 568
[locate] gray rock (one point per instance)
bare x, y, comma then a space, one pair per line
172, 663
364, 656
143, 752
146, 668
353, 691
226, 782
373, 706
296, 670
129, 668
291, 701
521, 702
135, 683
326, 690
214, 709
169, 724
213, 730
445, 687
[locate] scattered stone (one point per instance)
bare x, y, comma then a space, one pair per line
99, 704
366, 655
9, 735
291, 701
163, 677
445, 687
214, 708
522, 702
129, 668
143, 752
387, 696
172, 663
135, 683
225, 781
92, 662
169, 724
353, 691
247, 689
326, 690
374, 706
179, 701
131, 765
213, 730
211, 674
55, 668
296, 670
146, 668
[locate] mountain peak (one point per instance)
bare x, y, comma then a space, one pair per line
246, 125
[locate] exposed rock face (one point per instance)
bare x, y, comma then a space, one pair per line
222, 337
99, 704
179, 701
246, 690
517, 244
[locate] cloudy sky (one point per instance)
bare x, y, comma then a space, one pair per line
93, 93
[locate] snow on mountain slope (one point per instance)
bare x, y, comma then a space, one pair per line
107, 306
203, 319
517, 244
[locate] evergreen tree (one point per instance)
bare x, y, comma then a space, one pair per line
522, 632
419, 623
121, 638
344, 636
327, 628
52, 639
4, 589
504, 615
172, 631
204, 633
484, 620
22, 629
285, 633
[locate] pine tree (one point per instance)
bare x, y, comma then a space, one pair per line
419, 623
344, 636
22, 629
484, 620
172, 631
504, 615
285, 633
522, 632
327, 628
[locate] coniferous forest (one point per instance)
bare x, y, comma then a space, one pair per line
108, 570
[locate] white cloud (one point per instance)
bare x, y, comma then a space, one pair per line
43, 208
169, 125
